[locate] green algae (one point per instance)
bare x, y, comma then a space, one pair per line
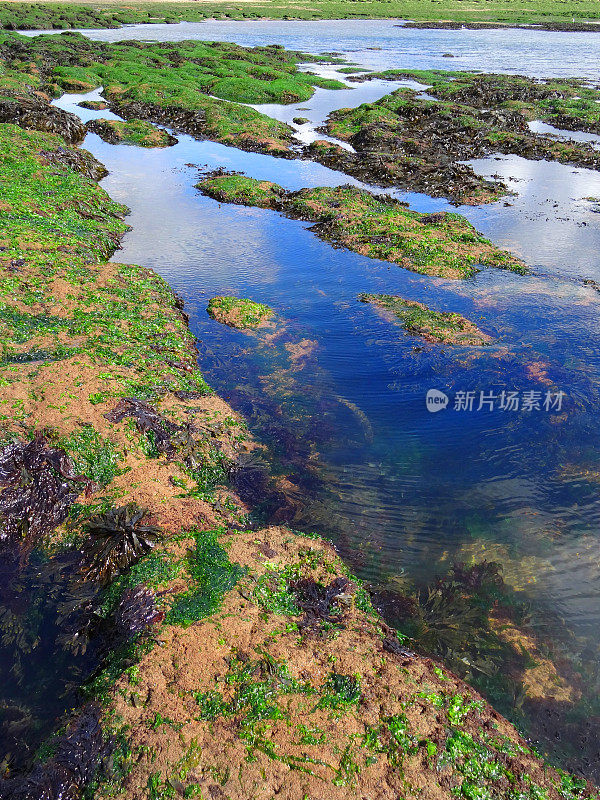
212, 574
434, 326
198, 85
134, 131
442, 244
238, 312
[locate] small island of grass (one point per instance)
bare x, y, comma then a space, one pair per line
433, 326
238, 313
138, 132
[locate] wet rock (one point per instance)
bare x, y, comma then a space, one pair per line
34, 114
391, 645
79, 160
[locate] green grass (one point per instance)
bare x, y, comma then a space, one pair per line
114, 14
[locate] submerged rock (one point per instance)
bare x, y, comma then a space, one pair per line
433, 326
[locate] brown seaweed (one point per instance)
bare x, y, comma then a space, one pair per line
319, 603
41, 485
148, 421
79, 752
136, 612
117, 539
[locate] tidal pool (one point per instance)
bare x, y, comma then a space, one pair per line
339, 394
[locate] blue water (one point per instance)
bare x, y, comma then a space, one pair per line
339, 394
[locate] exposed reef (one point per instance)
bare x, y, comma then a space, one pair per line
195, 87
136, 131
421, 143
440, 244
433, 326
239, 313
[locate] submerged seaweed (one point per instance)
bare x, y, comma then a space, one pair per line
41, 485
79, 752
117, 539
450, 618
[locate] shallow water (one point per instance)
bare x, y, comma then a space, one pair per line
384, 44
339, 394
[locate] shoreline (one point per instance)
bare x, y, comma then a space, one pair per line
281, 595
255, 641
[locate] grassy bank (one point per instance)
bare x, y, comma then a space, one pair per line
114, 14
442, 245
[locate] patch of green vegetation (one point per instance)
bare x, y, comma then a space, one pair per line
48, 16
392, 738
94, 456
272, 592
233, 188
212, 575
379, 227
340, 691
256, 693
238, 312
435, 326
208, 81
134, 131
210, 473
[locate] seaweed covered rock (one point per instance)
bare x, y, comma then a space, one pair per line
134, 131
40, 486
444, 244
37, 115
117, 539
238, 312
433, 326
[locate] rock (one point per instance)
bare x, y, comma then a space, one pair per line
39, 116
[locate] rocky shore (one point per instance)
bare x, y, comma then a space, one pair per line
224, 659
